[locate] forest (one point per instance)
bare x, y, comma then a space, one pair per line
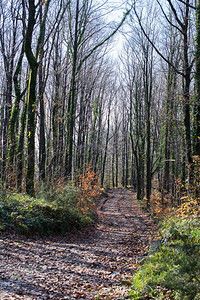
100, 145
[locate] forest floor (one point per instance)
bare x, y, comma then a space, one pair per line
96, 263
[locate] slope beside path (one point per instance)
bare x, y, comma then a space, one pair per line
96, 263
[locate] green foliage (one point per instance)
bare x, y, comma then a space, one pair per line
53, 211
173, 272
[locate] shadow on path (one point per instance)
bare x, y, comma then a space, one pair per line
93, 264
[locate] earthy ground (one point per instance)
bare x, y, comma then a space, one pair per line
97, 263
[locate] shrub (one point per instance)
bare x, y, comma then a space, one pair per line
173, 272
89, 190
56, 210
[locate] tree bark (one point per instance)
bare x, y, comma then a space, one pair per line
197, 79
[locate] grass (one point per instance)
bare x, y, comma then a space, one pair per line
173, 272
51, 212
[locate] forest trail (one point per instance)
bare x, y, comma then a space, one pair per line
97, 263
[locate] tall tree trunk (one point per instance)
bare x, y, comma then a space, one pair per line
148, 92
186, 95
197, 78
113, 168
15, 109
71, 102
167, 137
98, 140
126, 161
31, 124
31, 103
20, 147
116, 159
55, 116
80, 144
42, 144
7, 112
106, 145
148, 157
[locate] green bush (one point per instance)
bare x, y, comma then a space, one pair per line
53, 211
173, 272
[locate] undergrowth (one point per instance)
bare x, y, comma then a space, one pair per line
173, 270
52, 211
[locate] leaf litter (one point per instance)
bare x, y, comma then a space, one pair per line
95, 263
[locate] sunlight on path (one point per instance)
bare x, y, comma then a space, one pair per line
97, 263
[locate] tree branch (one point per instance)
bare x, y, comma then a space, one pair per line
189, 5
168, 20
105, 40
175, 14
155, 48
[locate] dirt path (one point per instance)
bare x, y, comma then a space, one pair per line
95, 264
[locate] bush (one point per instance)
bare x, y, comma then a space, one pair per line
173, 272
53, 211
